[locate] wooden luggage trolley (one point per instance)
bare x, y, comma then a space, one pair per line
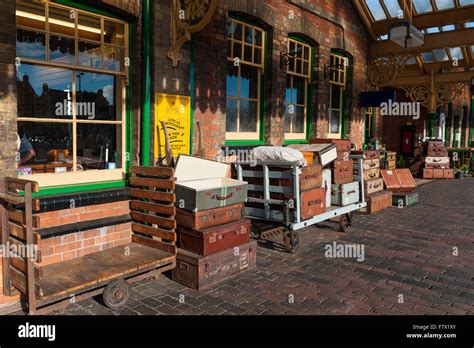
107, 272
281, 204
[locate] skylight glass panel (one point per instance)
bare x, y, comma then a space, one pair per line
444, 4
448, 27
422, 6
432, 30
456, 53
441, 55
376, 9
469, 25
428, 57
466, 2
383, 37
393, 8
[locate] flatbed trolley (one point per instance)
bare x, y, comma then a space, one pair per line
151, 252
286, 212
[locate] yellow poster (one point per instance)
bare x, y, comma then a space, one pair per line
175, 111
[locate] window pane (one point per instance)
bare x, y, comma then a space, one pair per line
238, 32
62, 49
30, 14
299, 124
113, 58
335, 126
89, 54
60, 21
456, 53
49, 145
30, 44
393, 7
422, 6
114, 33
248, 116
300, 88
258, 38
248, 53
89, 27
96, 96
44, 92
289, 92
230, 28
257, 56
288, 118
232, 82
249, 35
231, 115
248, 82
237, 50
98, 145
444, 4
441, 55
335, 97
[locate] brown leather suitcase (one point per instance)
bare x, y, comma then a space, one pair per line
342, 173
343, 155
407, 183
311, 177
209, 218
312, 203
437, 152
369, 154
378, 201
436, 165
201, 272
211, 240
448, 173
341, 145
428, 173
391, 180
372, 174
438, 173
371, 163
373, 186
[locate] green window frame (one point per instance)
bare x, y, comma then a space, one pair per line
338, 82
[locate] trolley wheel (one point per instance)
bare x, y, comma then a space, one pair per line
345, 222
116, 293
292, 240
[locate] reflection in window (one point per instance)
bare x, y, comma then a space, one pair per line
31, 44
336, 100
244, 70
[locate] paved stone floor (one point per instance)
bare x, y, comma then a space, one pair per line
410, 267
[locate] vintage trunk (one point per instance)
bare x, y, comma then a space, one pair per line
407, 183
405, 199
391, 156
391, 180
342, 173
373, 186
436, 166
448, 173
378, 201
322, 154
369, 154
209, 218
428, 173
442, 162
371, 164
201, 272
312, 203
370, 174
438, 173
310, 178
327, 182
392, 164
204, 184
211, 240
437, 152
345, 194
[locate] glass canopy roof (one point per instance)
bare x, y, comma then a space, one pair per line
385, 10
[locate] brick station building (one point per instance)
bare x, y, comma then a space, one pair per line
251, 73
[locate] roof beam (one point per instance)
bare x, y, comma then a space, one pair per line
361, 8
456, 38
457, 77
428, 20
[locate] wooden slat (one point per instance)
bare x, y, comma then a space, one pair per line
153, 231
20, 232
154, 244
36, 204
19, 281
154, 195
151, 182
153, 171
156, 208
20, 265
20, 184
157, 220
18, 216
16, 199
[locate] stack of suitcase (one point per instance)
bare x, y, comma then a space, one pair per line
391, 158
338, 178
377, 198
213, 237
436, 163
401, 183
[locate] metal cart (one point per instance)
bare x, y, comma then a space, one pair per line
286, 212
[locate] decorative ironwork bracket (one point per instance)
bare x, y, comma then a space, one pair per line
384, 70
188, 16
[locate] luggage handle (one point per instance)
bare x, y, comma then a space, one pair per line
351, 192
183, 266
308, 177
222, 198
316, 202
373, 175
377, 185
373, 164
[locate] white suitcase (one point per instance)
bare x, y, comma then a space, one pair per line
345, 194
327, 180
437, 160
